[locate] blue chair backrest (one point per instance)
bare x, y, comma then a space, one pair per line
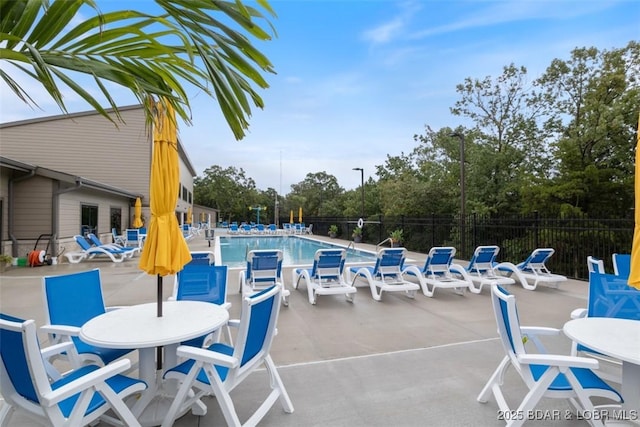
14, 357
611, 296
94, 239
82, 242
260, 323
264, 261
622, 265
389, 260
537, 259
142, 230
203, 282
504, 316
483, 258
73, 299
332, 260
438, 257
133, 234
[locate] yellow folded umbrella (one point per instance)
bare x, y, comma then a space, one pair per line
165, 251
634, 275
137, 214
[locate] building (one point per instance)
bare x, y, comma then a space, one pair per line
71, 174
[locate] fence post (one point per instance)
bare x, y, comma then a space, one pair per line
536, 242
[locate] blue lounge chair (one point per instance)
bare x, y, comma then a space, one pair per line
89, 252
130, 252
220, 368
133, 239
545, 375
533, 270
481, 269
264, 269
78, 397
386, 274
436, 272
326, 276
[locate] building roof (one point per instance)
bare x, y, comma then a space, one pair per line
181, 152
6, 162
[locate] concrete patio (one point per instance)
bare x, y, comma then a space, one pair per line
401, 362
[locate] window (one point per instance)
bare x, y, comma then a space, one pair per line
89, 219
116, 219
184, 193
190, 196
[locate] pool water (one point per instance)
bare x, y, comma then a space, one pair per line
296, 250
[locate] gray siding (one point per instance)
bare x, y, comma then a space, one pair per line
86, 145
70, 212
32, 208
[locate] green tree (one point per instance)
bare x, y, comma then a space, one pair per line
228, 190
315, 194
508, 143
594, 96
189, 43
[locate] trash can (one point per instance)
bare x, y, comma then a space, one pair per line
208, 234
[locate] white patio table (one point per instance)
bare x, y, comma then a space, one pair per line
139, 327
620, 339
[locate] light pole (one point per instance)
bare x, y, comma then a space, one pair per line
462, 196
361, 186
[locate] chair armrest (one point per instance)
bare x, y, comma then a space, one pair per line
539, 330
533, 334
71, 331
85, 382
207, 356
235, 323
56, 349
559, 361
579, 313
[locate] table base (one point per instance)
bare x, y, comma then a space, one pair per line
151, 409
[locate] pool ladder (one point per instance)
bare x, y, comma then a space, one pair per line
388, 239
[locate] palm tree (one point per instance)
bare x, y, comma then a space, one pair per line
189, 43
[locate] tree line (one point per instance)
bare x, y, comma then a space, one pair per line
561, 144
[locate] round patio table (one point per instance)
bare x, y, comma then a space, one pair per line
139, 327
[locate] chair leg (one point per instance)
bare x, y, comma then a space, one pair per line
496, 378
277, 384
5, 414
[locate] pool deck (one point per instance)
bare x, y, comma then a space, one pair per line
400, 361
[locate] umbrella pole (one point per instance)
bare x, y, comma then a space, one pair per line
159, 349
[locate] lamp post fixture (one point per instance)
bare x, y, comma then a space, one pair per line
462, 195
361, 186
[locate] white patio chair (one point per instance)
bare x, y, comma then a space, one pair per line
78, 397
545, 375
220, 368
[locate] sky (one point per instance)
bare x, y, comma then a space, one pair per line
357, 79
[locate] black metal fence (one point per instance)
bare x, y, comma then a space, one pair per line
572, 238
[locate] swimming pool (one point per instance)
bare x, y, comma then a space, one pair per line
296, 250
